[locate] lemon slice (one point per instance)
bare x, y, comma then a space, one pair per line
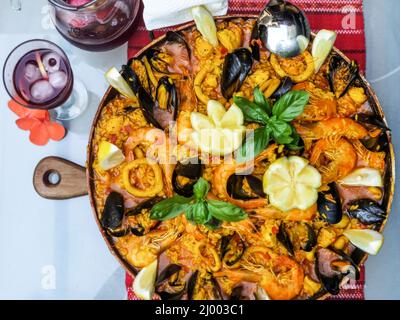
115, 80
109, 155
291, 183
216, 112
233, 118
205, 24
322, 46
218, 141
367, 240
200, 121
303, 42
368, 177
144, 284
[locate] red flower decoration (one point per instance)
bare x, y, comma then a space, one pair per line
38, 123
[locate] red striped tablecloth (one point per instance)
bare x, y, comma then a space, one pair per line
343, 16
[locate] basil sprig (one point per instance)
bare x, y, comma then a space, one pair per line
275, 121
197, 208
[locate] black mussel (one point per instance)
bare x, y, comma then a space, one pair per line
185, 176
210, 287
177, 37
376, 144
330, 205
236, 67
119, 232
310, 241
237, 190
169, 286
191, 284
113, 212
232, 249
340, 70
148, 106
332, 266
284, 238
371, 120
141, 72
155, 61
366, 211
285, 86
147, 204
254, 46
236, 293
131, 78
130, 109
167, 102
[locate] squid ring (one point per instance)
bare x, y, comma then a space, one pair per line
197, 84
150, 192
217, 261
307, 73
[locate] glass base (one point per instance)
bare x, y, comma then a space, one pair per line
74, 106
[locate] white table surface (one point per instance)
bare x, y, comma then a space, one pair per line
53, 249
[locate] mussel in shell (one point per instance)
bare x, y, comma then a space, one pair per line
332, 266
367, 211
185, 176
299, 236
330, 205
169, 286
284, 238
236, 189
342, 75
113, 213
232, 249
378, 142
285, 86
210, 289
236, 67
166, 108
310, 241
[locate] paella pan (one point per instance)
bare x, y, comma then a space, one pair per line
226, 172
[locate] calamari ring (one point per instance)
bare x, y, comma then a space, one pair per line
307, 73
198, 81
150, 192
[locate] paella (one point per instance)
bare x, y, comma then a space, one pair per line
222, 171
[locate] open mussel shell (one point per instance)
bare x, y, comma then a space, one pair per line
177, 37
235, 187
284, 238
236, 67
166, 108
176, 290
285, 86
113, 212
232, 249
336, 65
330, 205
131, 78
372, 122
189, 172
147, 204
367, 211
332, 266
311, 240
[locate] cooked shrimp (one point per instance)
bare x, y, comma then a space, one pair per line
368, 158
334, 158
282, 278
270, 212
336, 127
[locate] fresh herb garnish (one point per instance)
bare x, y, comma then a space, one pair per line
198, 209
275, 121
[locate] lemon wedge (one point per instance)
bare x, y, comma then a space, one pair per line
144, 284
367, 177
367, 240
291, 183
115, 80
205, 24
109, 155
322, 46
220, 132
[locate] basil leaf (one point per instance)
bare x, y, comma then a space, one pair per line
290, 105
259, 98
252, 111
280, 128
297, 143
255, 142
225, 211
213, 224
201, 189
169, 208
283, 139
198, 213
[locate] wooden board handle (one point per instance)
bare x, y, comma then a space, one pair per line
56, 178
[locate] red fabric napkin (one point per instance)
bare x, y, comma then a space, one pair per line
343, 16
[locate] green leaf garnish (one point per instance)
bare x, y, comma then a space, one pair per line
275, 121
198, 209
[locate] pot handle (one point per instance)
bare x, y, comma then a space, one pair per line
57, 179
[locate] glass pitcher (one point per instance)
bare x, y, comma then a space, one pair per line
95, 25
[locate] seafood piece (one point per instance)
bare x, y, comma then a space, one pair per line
245, 187
332, 128
169, 285
367, 211
284, 87
335, 159
284, 238
299, 235
236, 67
185, 176
330, 204
270, 212
167, 102
299, 68
332, 266
369, 158
232, 249
141, 223
113, 212
341, 75
231, 37
203, 286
